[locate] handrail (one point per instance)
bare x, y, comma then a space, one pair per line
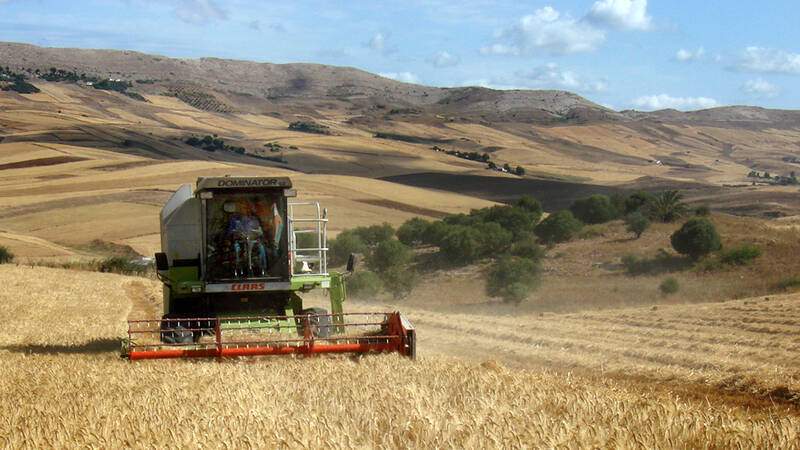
318, 223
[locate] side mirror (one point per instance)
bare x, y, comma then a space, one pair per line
351, 262
161, 261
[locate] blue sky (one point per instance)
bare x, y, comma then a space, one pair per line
622, 54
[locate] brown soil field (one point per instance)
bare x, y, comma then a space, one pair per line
63, 384
41, 162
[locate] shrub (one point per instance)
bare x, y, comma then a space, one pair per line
412, 232
637, 223
637, 200
529, 249
513, 279
309, 127
531, 205
661, 262
670, 285
339, 249
560, 226
364, 284
630, 262
592, 231
118, 264
375, 234
740, 256
399, 281
788, 282
435, 233
518, 221
492, 238
593, 209
5, 255
461, 245
474, 217
702, 210
618, 204
696, 238
388, 254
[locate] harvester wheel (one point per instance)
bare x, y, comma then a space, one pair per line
321, 326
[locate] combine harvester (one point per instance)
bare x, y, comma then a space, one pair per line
235, 257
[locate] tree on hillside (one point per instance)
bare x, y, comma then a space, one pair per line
637, 223
375, 234
461, 245
513, 279
594, 209
559, 226
388, 253
435, 233
347, 242
696, 238
5, 255
517, 220
531, 205
667, 207
637, 200
493, 238
412, 232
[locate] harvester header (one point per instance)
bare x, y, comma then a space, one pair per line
235, 257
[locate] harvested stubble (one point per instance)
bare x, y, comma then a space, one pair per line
63, 386
744, 346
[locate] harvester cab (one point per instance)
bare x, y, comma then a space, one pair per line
236, 257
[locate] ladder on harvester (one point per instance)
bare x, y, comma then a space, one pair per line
304, 260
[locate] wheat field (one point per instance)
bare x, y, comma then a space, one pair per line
63, 386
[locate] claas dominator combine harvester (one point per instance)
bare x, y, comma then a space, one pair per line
236, 255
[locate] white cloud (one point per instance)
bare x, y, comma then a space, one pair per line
444, 59
546, 30
663, 101
761, 88
199, 11
768, 60
621, 14
405, 77
499, 49
686, 55
379, 43
551, 76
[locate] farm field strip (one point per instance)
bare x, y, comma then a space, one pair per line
754, 359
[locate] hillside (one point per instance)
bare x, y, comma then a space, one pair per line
557, 137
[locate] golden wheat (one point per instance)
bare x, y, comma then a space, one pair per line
62, 385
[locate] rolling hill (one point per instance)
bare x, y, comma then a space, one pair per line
71, 152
